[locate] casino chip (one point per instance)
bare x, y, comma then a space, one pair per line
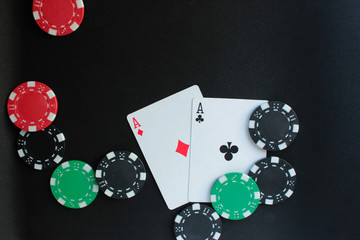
58, 17
235, 196
32, 106
43, 149
273, 126
121, 174
197, 222
73, 184
276, 179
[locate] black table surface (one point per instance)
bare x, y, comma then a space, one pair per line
128, 54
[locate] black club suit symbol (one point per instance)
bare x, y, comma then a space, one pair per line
199, 119
229, 151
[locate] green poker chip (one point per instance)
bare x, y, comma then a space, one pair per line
73, 184
235, 196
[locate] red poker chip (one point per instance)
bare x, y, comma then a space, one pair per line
58, 17
32, 106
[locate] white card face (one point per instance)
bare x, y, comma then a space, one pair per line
162, 131
220, 142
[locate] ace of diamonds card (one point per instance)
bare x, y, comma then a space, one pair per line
162, 131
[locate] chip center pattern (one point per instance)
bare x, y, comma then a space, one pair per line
74, 184
40, 145
236, 195
32, 106
197, 227
120, 174
273, 126
58, 12
270, 180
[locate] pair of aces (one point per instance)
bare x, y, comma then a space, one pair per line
189, 141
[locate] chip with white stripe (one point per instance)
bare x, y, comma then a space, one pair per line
41, 150
32, 106
197, 221
273, 126
276, 179
121, 174
58, 18
235, 196
73, 184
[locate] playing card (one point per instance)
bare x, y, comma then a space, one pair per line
220, 142
162, 131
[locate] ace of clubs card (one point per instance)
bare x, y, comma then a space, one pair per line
220, 142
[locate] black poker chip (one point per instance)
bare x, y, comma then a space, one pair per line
121, 174
275, 178
197, 222
273, 126
42, 149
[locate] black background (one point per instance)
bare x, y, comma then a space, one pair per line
128, 54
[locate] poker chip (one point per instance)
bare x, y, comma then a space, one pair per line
32, 106
197, 222
58, 17
235, 196
43, 149
273, 126
276, 179
121, 174
73, 184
